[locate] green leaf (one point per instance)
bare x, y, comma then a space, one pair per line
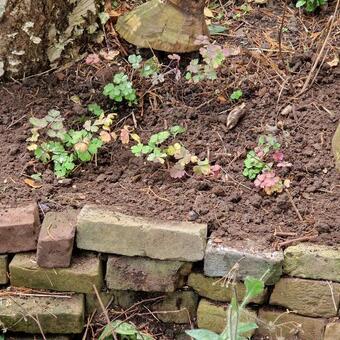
246, 327
203, 334
137, 149
95, 109
94, 146
300, 3
254, 287
38, 123
84, 156
176, 129
236, 95
121, 328
104, 17
216, 29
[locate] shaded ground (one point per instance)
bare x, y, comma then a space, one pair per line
233, 208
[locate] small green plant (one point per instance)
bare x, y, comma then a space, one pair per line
234, 330
259, 165
179, 157
125, 331
51, 142
310, 5
121, 89
236, 95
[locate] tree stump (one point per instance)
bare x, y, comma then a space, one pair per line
165, 25
35, 34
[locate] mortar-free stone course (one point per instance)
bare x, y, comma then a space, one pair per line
213, 316
312, 261
279, 323
220, 260
19, 229
56, 238
63, 315
214, 288
144, 274
3, 269
137, 236
307, 297
85, 271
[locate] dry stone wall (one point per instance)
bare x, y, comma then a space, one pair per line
60, 262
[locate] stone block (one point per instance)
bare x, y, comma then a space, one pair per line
332, 331
276, 324
213, 288
220, 259
307, 297
56, 238
19, 336
3, 269
178, 307
312, 261
121, 298
136, 236
56, 315
19, 229
85, 271
213, 316
336, 147
144, 274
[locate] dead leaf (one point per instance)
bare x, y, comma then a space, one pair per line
334, 62
92, 59
125, 135
110, 55
31, 183
208, 13
221, 99
235, 115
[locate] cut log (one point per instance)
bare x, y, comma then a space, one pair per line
165, 25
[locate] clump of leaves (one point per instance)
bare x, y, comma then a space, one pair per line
51, 142
236, 95
259, 165
125, 330
234, 330
177, 155
121, 89
310, 5
213, 56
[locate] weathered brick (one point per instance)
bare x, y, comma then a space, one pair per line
213, 316
136, 236
307, 297
289, 326
55, 243
19, 229
332, 331
214, 289
3, 269
312, 261
178, 307
220, 259
144, 274
55, 315
121, 298
85, 271
336, 148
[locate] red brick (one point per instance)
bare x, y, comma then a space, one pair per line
56, 238
19, 228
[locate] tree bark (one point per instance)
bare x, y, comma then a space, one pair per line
36, 34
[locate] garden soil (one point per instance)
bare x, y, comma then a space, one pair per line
236, 212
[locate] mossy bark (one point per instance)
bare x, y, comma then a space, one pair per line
35, 34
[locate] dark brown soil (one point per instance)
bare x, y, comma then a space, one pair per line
234, 210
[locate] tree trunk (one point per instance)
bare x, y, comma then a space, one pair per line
166, 25
36, 34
